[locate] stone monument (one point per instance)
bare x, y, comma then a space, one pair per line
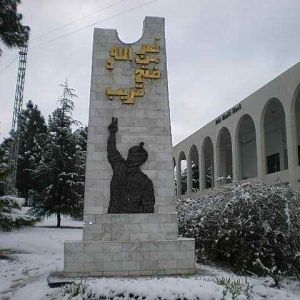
129, 208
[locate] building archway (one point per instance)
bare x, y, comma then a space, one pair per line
182, 173
297, 122
275, 137
225, 156
194, 165
247, 152
175, 176
208, 163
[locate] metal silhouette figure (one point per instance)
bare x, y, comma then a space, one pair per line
131, 191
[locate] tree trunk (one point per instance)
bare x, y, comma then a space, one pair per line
26, 204
26, 196
58, 219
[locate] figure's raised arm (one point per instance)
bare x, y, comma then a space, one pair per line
111, 142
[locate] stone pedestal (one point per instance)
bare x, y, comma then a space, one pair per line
131, 258
130, 227
130, 244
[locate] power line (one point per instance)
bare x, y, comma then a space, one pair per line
8, 59
66, 25
84, 27
92, 24
77, 20
9, 64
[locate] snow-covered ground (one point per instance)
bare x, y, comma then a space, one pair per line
36, 251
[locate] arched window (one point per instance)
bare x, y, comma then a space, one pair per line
208, 163
225, 155
297, 120
275, 137
247, 153
194, 159
175, 176
183, 173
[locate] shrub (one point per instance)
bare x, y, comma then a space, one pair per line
253, 227
237, 288
11, 215
76, 290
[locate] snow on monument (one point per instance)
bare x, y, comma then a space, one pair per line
129, 208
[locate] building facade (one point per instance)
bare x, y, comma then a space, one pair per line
257, 139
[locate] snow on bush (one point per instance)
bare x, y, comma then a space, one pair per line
11, 215
253, 227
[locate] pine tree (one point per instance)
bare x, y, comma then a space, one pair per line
32, 135
80, 136
60, 173
11, 215
12, 32
4, 171
4, 157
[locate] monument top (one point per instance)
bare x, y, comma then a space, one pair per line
150, 23
129, 82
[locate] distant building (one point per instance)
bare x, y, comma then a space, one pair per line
259, 138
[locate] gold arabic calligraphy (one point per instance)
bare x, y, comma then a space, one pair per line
147, 55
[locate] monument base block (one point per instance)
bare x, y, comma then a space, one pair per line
130, 227
129, 258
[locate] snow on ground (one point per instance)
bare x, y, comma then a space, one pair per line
38, 250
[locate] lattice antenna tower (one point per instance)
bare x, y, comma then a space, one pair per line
16, 114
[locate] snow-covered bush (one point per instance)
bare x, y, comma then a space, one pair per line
11, 215
253, 227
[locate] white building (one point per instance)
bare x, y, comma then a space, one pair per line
259, 138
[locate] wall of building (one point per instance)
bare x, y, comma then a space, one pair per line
273, 134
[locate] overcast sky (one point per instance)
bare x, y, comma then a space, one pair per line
219, 52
